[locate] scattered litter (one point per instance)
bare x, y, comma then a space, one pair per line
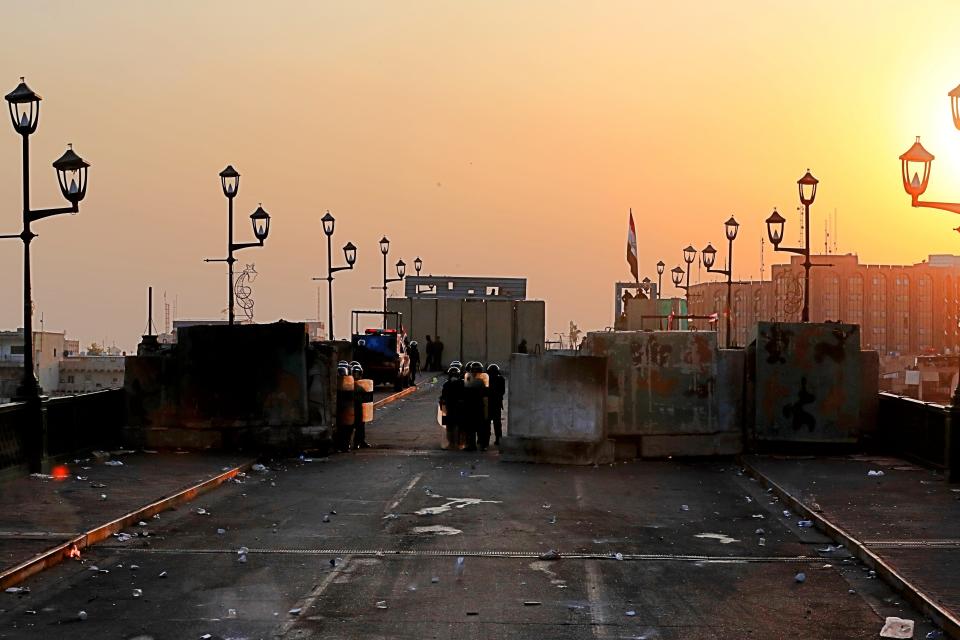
82, 615
137, 593
103, 496
434, 580
163, 574
800, 577
412, 587
242, 554
97, 485
828, 549
202, 512
618, 556
546, 505
122, 537
552, 554
895, 627
259, 468
390, 516
684, 507
113, 463
805, 524
231, 613
221, 531
326, 518
762, 542
17, 590
552, 520
473, 613
631, 613
722, 538
436, 530
758, 516
876, 473
156, 516
936, 634
749, 499
531, 603
827, 566
759, 532
381, 604
458, 567
134, 567
295, 612
41, 476
786, 513
82, 478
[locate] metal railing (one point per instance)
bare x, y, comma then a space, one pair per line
922, 431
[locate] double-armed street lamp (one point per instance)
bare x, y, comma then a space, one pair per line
401, 272
807, 186
71, 169
916, 162
731, 227
260, 219
349, 254
417, 265
660, 268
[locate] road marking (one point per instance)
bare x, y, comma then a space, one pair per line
398, 498
311, 598
598, 618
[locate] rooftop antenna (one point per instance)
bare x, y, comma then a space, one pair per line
835, 232
151, 328
761, 258
166, 314
826, 236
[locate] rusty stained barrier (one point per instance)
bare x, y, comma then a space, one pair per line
805, 384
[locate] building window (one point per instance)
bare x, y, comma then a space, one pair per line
16, 349
925, 314
901, 314
69, 379
854, 300
831, 297
878, 314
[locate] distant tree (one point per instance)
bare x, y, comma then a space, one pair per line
95, 349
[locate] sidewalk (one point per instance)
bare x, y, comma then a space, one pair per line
40, 513
908, 518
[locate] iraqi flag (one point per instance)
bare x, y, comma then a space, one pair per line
632, 249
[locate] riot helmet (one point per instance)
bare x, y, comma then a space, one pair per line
493, 369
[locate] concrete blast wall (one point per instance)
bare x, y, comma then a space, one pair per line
671, 392
484, 330
807, 383
557, 410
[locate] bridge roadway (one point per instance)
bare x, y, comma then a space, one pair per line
367, 545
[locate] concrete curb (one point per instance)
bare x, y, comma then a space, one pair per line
943, 618
54, 556
394, 397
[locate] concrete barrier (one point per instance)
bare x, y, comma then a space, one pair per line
557, 410
671, 393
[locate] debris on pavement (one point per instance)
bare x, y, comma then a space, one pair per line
259, 468
805, 524
459, 566
800, 577
202, 512
17, 590
876, 473
552, 554
617, 556
434, 580
137, 593
684, 507
113, 463
532, 603
221, 531
82, 615
295, 612
103, 496
381, 604
163, 574
122, 537
631, 613
895, 627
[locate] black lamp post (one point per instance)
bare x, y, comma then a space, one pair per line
660, 268
349, 254
731, 227
71, 170
689, 255
401, 272
427, 288
807, 185
260, 219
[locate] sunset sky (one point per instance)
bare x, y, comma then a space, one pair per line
489, 138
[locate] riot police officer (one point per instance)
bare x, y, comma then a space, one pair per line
360, 396
451, 401
474, 405
495, 393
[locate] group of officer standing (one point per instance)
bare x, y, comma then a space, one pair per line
471, 400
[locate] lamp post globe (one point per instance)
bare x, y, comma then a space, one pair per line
328, 222
660, 267
230, 181
689, 254
72, 175
401, 269
807, 186
260, 220
417, 265
24, 107
676, 274
731, 227
350, 253
709, 256
384, 245
914, 163
775, 225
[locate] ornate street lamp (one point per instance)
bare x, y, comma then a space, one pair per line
349, 254
260, 219
660, 268
401, 272
427, 288
807, 186
915, 160
71, 170
689, 255
731, 227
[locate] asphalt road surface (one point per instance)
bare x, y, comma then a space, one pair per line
368, 545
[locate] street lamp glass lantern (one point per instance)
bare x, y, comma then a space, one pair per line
401, 269
807, 186
914, 163
676, 274
660, 267
732, 227
72, 175
689, 254
775, 225
24, 107
384, 245
955, 105
709, 256
417, 265
230, 181
328, 222
350, 253
261, 223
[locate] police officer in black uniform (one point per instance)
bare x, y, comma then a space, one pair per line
359, 398
495, 393
451, 400
474, 415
